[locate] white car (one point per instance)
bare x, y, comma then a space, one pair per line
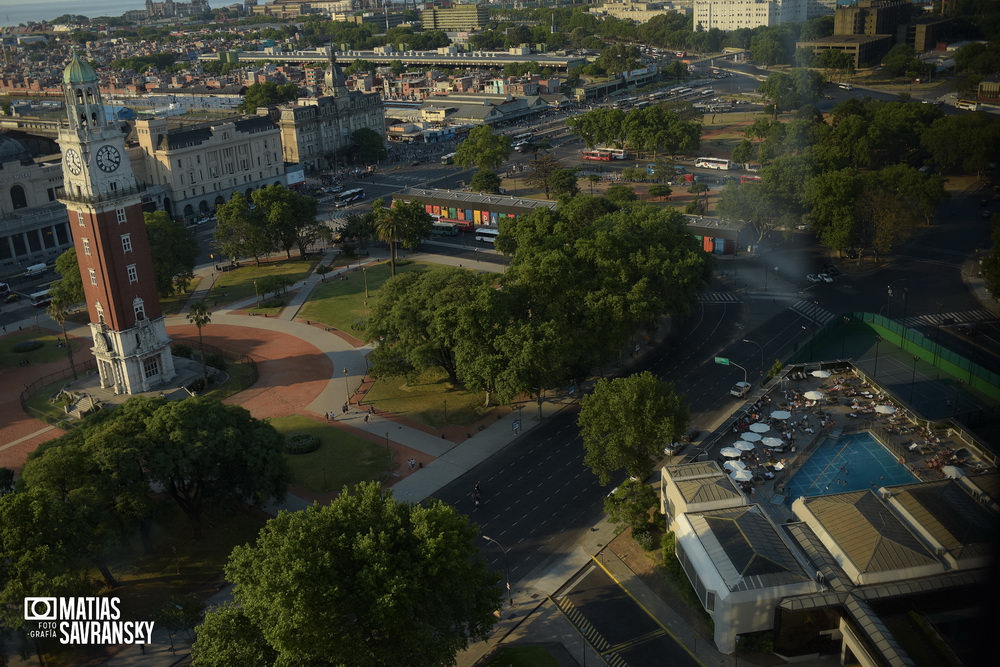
814, 278
825, 277
740, 389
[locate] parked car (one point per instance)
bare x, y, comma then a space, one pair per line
825, 278
814, 278
740, 389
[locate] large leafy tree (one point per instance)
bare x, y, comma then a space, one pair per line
485, 180
174, 251
240, 230
206, 454
404, 222
966, 142
483, 149
285, 214
626, 422
368, 145
69, 288
365, 580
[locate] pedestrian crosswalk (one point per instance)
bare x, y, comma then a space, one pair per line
959, 317
719, 297
812, 311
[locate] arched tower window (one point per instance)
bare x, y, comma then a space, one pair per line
17, 197
139, 307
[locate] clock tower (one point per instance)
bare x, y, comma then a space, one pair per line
104, 203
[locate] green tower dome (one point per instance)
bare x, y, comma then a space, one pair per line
78, 72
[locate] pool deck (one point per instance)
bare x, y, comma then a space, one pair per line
848, 407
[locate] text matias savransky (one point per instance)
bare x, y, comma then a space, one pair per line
84, 621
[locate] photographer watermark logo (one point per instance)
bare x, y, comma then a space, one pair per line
83, 621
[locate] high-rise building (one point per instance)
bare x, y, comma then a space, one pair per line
104, 202
739, 14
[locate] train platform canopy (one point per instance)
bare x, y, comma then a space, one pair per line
465, 200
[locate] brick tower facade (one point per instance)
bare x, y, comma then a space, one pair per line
104, 203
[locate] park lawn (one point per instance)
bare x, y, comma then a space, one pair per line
342, 459
271, 307
238, 284
522, 656
174, 303
39, 406
429, 398
341, 303
241, 376
49, 351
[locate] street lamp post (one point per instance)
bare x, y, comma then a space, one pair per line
506, 567
761, 348
913, 378
347, 391
364, 272
878, 339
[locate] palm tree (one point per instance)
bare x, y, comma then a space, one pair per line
199, 316
387, 228
58, 311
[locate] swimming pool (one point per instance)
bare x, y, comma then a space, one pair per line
851, 463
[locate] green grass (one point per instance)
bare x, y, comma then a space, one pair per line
341, 303
341, 460
271, 307
39, 405
522, 656
240, 376
238, 285
423, 398
173, 304
43, 355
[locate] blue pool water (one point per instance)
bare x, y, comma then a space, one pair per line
851, 463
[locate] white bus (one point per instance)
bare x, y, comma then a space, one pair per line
616, 153
967, 105
487, 234
712, 163
39, 299
444, 229
348, 197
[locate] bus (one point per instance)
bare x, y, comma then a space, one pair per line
712, 163
39, 299
487, 234
597, 155
448, 159
745, 178
522, 138
967, 105
684, 91
348, 197
444, 229
616, 153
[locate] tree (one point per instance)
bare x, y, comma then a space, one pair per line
990, 265
625, 423
59, 310
662, 191
368, 145
69, 287
174, 250
199, 316
405, 222
542, 168
563, 184
621, 194
365, 580
483, 149
239, 230
485, 180
206, 454
628, 506
285, 213
267, 94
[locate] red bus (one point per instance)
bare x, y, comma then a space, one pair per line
602, 156
749, 179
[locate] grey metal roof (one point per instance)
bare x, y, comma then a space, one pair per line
690, 470
868, 532
963, 526
471, 199
706, 489
746, 548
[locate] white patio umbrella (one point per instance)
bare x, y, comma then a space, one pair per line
885, 409
741, 475
760, 427
813, 395
952, 472
821, 374
781, 414
750, 436
772, 442
744, 446
734, 465
730, 452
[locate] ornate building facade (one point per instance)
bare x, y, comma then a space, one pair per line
103, 200
315, 129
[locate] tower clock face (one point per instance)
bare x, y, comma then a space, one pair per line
73, 162
108, 158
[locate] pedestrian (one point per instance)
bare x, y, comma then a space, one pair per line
371, 410
367, 417
345, 408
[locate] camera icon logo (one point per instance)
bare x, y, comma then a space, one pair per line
40, 609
